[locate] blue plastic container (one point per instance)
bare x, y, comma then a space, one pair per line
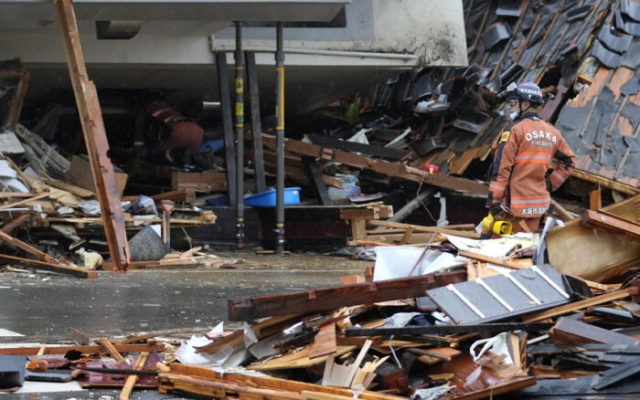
268, 198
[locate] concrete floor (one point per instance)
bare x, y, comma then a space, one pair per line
176, 302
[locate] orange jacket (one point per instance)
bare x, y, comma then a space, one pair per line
521, 162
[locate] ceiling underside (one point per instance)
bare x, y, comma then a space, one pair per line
176, 10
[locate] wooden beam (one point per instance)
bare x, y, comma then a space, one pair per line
492, 260
396, 169
265, 382
17, 222
46, 266
358, 228
324, 343
138, 338
115, 354
322, 300
595, 199
570, 331
26, 247
94, 136
175, 195
89, 349
579, 305
605, 182
11, 195
562, 212
425, 229
220, 389
355, 147
18, 99
25, 201
603, 255
316, 180
260, 330
132, 379
355, 213
611, 223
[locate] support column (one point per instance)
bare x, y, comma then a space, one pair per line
280, 237
239, 85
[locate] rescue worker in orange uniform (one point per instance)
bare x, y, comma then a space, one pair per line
185, 136
519, 177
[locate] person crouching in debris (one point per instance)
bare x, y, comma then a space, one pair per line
178, 138
519, 183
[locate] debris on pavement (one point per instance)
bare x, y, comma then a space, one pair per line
442, 314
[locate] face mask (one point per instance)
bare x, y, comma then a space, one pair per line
514, 115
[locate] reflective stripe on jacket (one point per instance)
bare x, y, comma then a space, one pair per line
165, 113
522, 159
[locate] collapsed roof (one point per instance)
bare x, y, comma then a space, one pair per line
583, 55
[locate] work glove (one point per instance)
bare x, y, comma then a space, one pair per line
497, 208
547, 181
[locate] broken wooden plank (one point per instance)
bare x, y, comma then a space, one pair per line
264, 382
45, 266
570, 331
219, 389
424, 229
482, 380
206, 181
125, 393
260, 329
80, 176
398, 169
602, 254
325, 342
296, 359
616, 374
337, 297
22, 202
19, 96
611, 223
138, 338
493, 260
11, 195
604, 182
106, 343
441, 353
358, 228
95, 136
316, 181
579, 305
90, 349
26, 247
17, 222
388, 153
560, 211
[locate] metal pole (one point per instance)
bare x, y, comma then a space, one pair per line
280, 238
239, 84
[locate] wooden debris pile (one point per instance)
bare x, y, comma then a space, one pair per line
477, 333
32, 200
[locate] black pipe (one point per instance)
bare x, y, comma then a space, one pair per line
280, 238
239, 86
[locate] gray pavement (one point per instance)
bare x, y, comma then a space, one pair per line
176, 302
